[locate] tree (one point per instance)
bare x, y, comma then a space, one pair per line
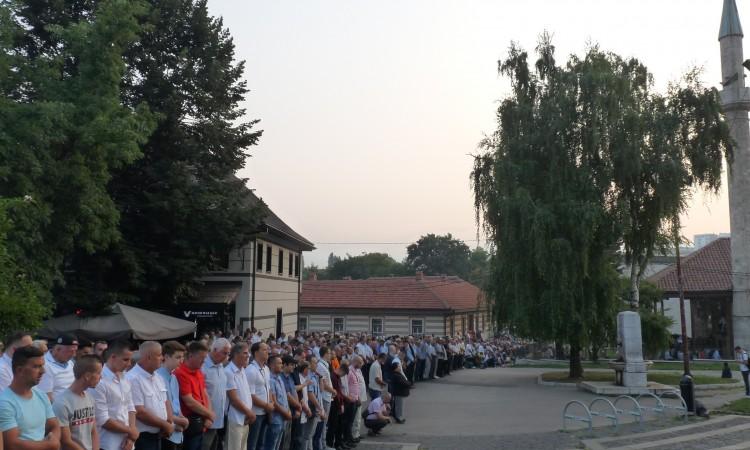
541, 198
479, 263
364, 266
181, 208
655, 326
439, 255
23, 302
63, 130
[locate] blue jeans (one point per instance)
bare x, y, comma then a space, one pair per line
272, 439
257, 433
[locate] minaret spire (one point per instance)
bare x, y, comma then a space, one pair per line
730, 20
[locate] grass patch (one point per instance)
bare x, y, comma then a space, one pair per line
670, 365
663, 378
741, 406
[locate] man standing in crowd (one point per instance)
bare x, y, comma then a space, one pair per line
153, 412
292, 429
58, 366
115, 413
25, 412
75, 408
327, 392
281, 413
99, 348
14, 341
377, 384
216, 386
356, 429
744, 362
174, 354
194, 401
259, 381
240, 414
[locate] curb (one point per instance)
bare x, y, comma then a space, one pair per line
697, 387
556, 384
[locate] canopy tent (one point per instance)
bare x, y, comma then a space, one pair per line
124, 323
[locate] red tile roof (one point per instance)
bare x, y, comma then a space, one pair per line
430, 293
706, 270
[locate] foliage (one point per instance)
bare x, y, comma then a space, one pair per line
439, 255
586, 158
181, 210
63, 130
479, 266
22, 301
363, 266
538, 193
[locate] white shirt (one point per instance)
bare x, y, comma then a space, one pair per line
743, 362
57, 376
149, 391
6, 371
376, 372
216, 387
302, 380
364, 350
362, 386
114, 400
255, 339
259, 381
325, 379
237, 380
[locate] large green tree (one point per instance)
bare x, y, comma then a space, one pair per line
180, 207
439, 255
586, 158
363, 266
63, 130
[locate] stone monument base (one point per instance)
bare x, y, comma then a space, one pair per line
609, 389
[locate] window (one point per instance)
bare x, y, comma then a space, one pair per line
291, 264
259, 258
281, 262
268, 258
417, 327
296, 265
302, 323
376, 326
338, 324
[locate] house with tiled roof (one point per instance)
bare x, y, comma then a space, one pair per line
707, 286
416, 305
259, 285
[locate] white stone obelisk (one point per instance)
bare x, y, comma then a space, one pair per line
735, 98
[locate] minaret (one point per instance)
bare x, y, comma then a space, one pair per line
735, 98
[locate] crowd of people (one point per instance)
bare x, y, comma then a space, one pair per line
301, 392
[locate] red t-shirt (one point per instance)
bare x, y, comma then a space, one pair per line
191, 383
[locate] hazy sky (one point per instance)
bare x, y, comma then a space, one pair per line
370, 109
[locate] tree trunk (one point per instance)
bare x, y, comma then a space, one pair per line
595, 353
559, 353
576, 368
635, 281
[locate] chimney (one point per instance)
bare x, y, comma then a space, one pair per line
420, 275
312, 276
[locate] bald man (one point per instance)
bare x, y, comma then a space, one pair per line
153, 412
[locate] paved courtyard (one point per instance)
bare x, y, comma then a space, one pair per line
504, 408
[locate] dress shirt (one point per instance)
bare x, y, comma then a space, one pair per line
6, 371
353, 382
149, 391
305, 398
258, 379
173, 395
362, 385
279, 391
376, 372
57, 376
324, 372
114, 401
216, 386
237, 380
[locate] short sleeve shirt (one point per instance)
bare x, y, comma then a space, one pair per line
279, 391
114, 400
6, 371
150, 392
236, 380
324, 373
216, 385
57, 376
374, 408
259, 381
76, 412
29, 415
191, 383
173, 395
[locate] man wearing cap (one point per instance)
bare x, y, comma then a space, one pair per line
14, 341
58, 366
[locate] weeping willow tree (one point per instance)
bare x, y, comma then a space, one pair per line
561, 186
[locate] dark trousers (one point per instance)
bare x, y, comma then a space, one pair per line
449, 365
350, 410
193, 442
374, 394
375, 424
296, 442
148, 441
744, 378
166, 444
433, 367
257, 433
335, 431
419, 375
410, 368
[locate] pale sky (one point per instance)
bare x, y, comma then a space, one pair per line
371, 109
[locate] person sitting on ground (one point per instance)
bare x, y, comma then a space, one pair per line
377, 414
